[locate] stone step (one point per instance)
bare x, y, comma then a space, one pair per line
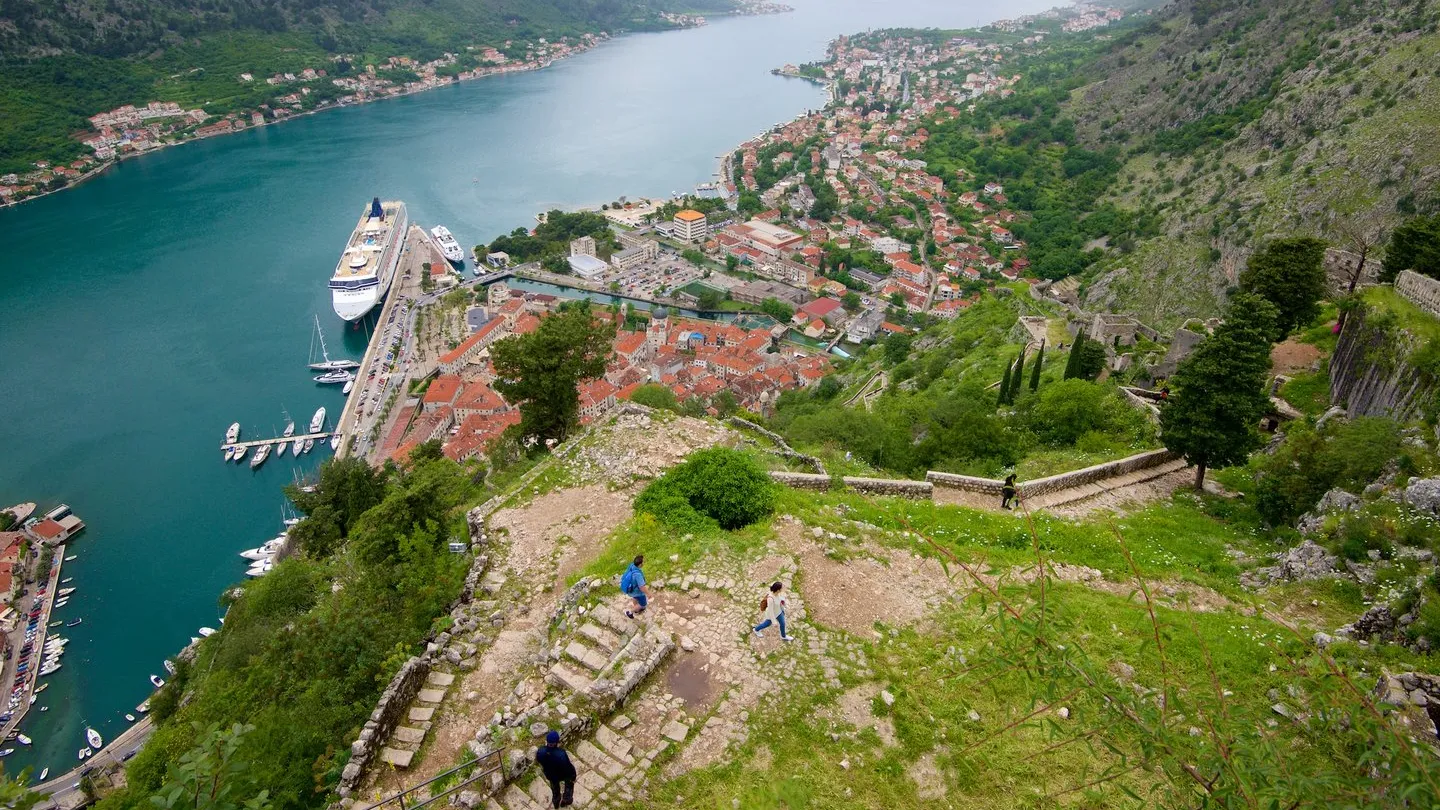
613, 744
600, 637
430, 695
515, 799
591, 659
439, 679
613, 619
598, 760
570, 679
406, 734
398, 757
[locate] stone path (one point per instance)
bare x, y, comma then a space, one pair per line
1149, 484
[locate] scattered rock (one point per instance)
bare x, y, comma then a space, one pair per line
687, 644
1336, 500
1307, 561
1424, 494
887, 697
1323, 640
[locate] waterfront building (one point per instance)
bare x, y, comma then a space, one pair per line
584, 246
645, 250
470, 349
691, 226
587, 266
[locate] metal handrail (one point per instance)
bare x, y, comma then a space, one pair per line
493, 754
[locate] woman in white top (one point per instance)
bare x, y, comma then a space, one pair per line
774, 606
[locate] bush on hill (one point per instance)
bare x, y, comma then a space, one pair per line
1348, 455
714, 487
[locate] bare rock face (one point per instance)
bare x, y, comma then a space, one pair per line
1307, 561
1424, 494
1336, 500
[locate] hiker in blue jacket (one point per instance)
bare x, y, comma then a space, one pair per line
558, 769
632, 584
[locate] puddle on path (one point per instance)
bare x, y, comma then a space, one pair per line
691, 681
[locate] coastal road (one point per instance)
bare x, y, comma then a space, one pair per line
64, 790
30, 681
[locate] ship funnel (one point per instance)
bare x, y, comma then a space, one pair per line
376, 212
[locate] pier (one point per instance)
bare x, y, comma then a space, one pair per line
278, 439
32, 676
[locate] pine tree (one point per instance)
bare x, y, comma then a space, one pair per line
1218, 393
1035, 372
1018, 381
1073, 361
1005, 385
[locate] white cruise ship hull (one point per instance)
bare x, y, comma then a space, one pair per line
351, 295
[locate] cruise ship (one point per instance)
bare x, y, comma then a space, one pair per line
447, 243
368, 264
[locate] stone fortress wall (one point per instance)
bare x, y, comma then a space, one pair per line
1422, 291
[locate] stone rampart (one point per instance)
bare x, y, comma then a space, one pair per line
820, 483
1095, 474
388, 712
968, 483
902, 488
1422, 291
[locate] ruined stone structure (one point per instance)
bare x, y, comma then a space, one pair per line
1422, 291
1181, 345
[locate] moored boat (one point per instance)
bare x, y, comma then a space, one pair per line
240, 452
309, 445
335, 377
368, 264
448, 246
93, 737
206, 632
44, 772
73, 623
229, 452
143, 707
232, 435
349, 386
261, 453
327, 364
335, 442
317, 422
280, 448
65, 591
297, 447
130, 717
157, 681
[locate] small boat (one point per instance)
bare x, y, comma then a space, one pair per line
335, 378
62, 603
130, 717
260, 569
349, 386
261, 453
66, 580
290, 521
297, 447
85, 752
317, 422
72, 557
49, 669
232, 435
44, 708
335, 442
6, 752
206, 632
143, 707
289, 430
240, 452
41, 688
170, 667
157, 681
73, 623
280, 448
65, 591
44, 773
23, 740
229, 452
55, 623
309, 445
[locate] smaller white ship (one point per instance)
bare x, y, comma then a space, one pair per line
93, 737
261, 453
157, 681
233, 434
447, 243
317, 422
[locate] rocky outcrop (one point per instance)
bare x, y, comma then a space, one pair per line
1307, 561
1424, 494
1370, 374
1336, 500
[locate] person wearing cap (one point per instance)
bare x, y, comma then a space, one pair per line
558, 769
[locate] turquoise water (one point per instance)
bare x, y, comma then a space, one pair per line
143, 312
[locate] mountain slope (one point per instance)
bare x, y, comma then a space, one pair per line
1244, 121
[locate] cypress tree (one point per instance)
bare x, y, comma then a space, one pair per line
1019, 380
1073, 363
1035, 372
1005, 385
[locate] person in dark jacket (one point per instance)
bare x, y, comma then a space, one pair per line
1007, 492
558, 769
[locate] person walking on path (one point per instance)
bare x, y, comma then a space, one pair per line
558, 769
1007, 491
632, 584
774, 606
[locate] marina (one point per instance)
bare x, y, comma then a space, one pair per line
280, 439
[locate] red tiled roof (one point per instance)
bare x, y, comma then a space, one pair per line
443, 389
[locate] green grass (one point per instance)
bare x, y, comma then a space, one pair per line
1309, 391
1419, 323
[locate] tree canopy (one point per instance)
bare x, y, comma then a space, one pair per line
1218, 393
1290, 274
541, 371
1414, 245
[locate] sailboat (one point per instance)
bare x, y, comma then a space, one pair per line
327, 364
240, 452
261, 453
232, 435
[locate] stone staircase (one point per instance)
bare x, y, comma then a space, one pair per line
606, 651
406, 740
1072, 496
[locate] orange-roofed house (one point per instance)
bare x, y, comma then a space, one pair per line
596, 397
442, 392
477, 432
469, 350
479, 399
633, 347
815, 329
825, 309
525, 324
691, 226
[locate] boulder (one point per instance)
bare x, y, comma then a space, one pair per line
1424, 494
1306, 561
1336, 500
1334, 412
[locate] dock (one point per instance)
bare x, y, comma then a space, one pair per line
32, 676
278, 439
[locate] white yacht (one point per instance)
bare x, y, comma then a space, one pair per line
309, 445
261, 453
206, 632
229, 452
363, 275
326, 364
93, 737
240, 452
260, 569
233, 434
335, 441
447, 243
333, 377
317, 422
297, 447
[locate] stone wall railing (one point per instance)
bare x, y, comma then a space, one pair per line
969, 483
902, 488
820, 483
388, 712
783, 449
1422, 291
1095, 474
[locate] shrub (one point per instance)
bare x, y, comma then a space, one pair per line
718, 485
1310, 463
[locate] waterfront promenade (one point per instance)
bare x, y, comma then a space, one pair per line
64, 791
17, 639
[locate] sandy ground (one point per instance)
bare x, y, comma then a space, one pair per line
1293, 356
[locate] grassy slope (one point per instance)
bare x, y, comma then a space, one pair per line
1349, 130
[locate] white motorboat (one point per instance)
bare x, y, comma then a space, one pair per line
72, 557
6, 752
266, 550
280, 448
317, 422
233, 434
157, 681
49, 670
143, 707
65, 591
335, 442
260, 569
229, 452
335, 378
44, 772
23, 740
289, 430
129, 717
349, 386
85, 752
240, 452
447, 243
297, 447
170, 666
93, 737
206, 632
261, 453
60, 603
309, 445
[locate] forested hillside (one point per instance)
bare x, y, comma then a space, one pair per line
1239, 121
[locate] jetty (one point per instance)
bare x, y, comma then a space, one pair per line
277, 440
31, 678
